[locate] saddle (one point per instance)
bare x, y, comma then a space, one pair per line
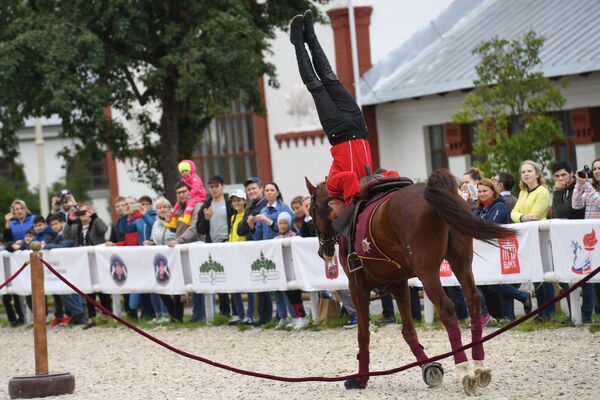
372, 188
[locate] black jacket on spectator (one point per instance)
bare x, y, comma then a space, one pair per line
308, 228
203, 226
253, 209
115, 234
561, 204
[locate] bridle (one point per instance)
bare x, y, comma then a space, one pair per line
323, 238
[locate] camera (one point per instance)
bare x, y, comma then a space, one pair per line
79, 213
63, 196
585, 173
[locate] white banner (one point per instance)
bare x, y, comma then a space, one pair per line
140, 269
575, 249
312, 274
237, 267
72, 263
514, 260
3, 276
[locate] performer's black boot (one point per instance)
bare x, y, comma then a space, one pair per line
307, 73
320, 61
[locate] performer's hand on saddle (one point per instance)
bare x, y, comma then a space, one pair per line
336, 206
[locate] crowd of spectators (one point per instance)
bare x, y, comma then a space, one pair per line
259, 212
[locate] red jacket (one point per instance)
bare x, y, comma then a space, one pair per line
131, 238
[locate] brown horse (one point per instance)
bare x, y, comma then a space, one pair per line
416, 227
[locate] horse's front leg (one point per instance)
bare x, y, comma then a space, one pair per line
364, 335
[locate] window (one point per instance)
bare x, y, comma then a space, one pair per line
437, 146
228, 147
564, 148
88, 168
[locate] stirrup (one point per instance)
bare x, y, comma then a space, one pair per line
354, 262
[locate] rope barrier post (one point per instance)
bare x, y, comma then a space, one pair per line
41, 384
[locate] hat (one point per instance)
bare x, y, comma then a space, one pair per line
239, 193
284, 215
216, 179
184, 166
253, 179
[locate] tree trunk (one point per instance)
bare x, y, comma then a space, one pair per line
169, 144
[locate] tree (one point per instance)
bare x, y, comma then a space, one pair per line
169, 66
511, 105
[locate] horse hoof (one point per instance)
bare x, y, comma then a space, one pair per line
469, 384
354, 384
433, 374
483, 376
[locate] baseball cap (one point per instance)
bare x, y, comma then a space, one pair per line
216, 179
253, 179
239, 193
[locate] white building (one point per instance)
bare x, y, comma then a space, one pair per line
422, 67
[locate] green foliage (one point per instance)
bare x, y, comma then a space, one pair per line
168, 67
510, 106
15, 187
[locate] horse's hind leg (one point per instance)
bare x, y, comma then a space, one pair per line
364, 335
445, 307
433, 373
464, 275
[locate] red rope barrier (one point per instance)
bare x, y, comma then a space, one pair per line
9, 280
319, 378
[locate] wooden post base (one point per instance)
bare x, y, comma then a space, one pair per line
27, 387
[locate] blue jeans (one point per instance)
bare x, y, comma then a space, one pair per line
587, 303
283, 305
508, 294
239, 305
265, 307
199, 309
159, 306
457, 296
544, 291
387, 305
74, 306
415, 303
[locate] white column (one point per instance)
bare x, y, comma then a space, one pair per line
43, 187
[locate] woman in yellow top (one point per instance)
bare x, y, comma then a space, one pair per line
238, 201
534, 199
532, 205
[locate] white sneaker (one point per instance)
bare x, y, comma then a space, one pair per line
283, 322
300, 323
234, 320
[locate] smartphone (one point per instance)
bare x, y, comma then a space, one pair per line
473, 190
135, 207
80, 213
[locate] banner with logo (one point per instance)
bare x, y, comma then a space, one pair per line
3, 276
312, 273
514, 260
237, 267
140, 269
575, 249
72, 263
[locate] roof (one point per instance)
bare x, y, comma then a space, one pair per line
439, 59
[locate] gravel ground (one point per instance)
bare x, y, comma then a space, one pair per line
115, 363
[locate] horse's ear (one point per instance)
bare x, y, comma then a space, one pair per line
311, 188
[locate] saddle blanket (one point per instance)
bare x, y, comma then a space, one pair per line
364, 245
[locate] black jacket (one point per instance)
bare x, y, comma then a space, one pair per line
561, 204
203, 226
253, 209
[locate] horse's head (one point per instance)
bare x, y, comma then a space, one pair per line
321, 215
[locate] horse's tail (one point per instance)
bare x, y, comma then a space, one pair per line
442, 194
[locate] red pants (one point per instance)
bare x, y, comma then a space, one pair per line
349, 160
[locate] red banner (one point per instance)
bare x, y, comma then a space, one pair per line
509, 260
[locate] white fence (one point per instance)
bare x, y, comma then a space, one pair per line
555, 250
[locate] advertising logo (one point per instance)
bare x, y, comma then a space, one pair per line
212, 272
445, 269
263, 270
583, 267
118, 270
509, 252
162, 272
